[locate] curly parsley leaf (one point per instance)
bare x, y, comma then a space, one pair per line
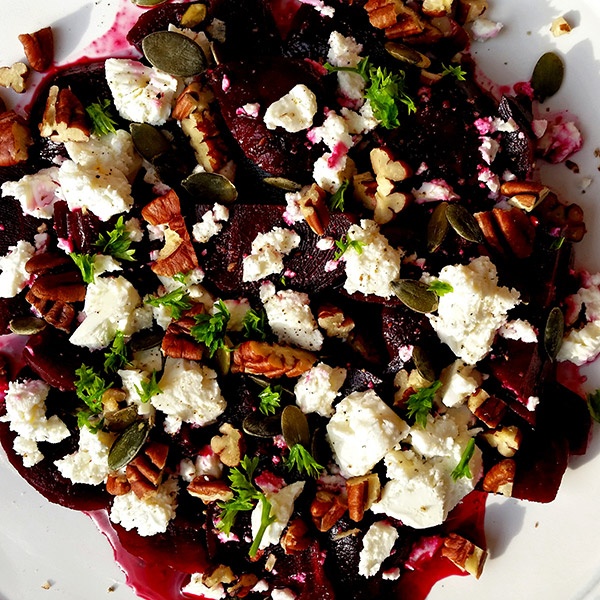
254, 324
99, 113
440, 287
301, 460
177, 301
593, 402
270, 399
87, 418
338, 199
210, 329
246, 496
90, 387
454, 70
148, 389
117, 242
462, 468
343, 244
420, 403
116, 357
85, 263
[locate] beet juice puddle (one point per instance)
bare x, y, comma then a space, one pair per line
454, 142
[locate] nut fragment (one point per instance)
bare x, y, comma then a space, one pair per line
39, 48
178, 341
221, 574
245, 583
507, 231
14, 77
334, 322
117, 484
464, 554
560, 26
469, 10
296, 538
229, 446
209, 491
327, 509
506, 440
271, 360
568, 218
524, 194
500, 478
64, 117
314, 208
362, 491
488, 409
15, 139
386, 165
145, 471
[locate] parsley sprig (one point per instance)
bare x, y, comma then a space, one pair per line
210, 329
343, 244
117, 242
440, 287
593, 402
85, 263
420, 403
90, 387
116, 356
302, 460
148, 389
270, 399
462, 468
246, 496
254, 324
177, 301
455, 70
338, 199
100, 115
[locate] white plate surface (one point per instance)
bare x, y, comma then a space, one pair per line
537, 551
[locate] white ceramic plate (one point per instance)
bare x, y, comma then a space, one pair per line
537, 551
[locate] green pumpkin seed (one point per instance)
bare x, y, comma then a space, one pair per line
174, 53
548, 75
464, 223
193, 16
294, 426
262, 426
26, 325
128, 444
148, 140
210, 187
423, 364
553, 332
121, 419
437, 228
416, 295
407, 55
146, 3
283, 184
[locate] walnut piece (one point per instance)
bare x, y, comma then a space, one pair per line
486, 408
464, 554
14, 77
507, 440
39, 48
271, 360
500, 478
64, 117
334, 322
15, 139
229, 446
560, 26
296, 537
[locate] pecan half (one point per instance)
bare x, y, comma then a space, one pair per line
296, 537
145, 471
117, 484
464, 554
362, 491
271, 360
500, 478
64, 117
57, 313
64, 287
209, 491
39, 48
15, 139
314, 208
327, 509
178, 342
507, 231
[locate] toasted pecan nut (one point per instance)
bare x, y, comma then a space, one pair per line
221, 574
39, 48
507, 231
145, 471
500, 478
464, 554
327, 509
362, 491
57, 313
43, 262
229, 446
15, 139
244, 585
178, 341
14, 77
117, 484
65, 287
64, 118
382, 13
524, 194
296, 537
314, 209
209, 491
271, 360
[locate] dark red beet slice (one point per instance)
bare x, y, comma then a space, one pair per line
519, 145
79, 228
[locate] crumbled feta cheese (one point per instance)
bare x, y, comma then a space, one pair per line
345, 52
333, 132
459, 381
331, 170
14, 277
294, 111
150, 515
89, 464
211, 224
132, 381
377, 546
469, 316
434, 190
36, 193
561, 139
519, 329
111, 304
190, 394
25, 404
282, 506
488, 148
196, 588
318, 387
141, 94
372, 267
362, 121
483, 29
104, 263
267, 252
290, 317
283, 593
362, 430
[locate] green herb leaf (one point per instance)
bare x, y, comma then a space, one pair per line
301, 460
343, 244
454, 70
440, 287
462, 468
117, 242
210, 329
116, 357
87, 418
85, 263
557, 243
338, 199
593, 402
148, 389
177, 301
270, 399
90, 388
420, 403
100, 115
255, 324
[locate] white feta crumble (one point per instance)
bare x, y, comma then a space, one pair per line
488, 148
190, 394
14, 277
290, 317
150, 515
283, 593
89, 464
104, 263
331, 170
267, 252
459, 381
469, 316
294, 111
483, 29
333, 133
141, 94
362, 430
196, 588
518, 329
282, 506
317, 389
132, 381
434, 190
346, 52
111, 304
36, 193
211, 224
374, 264
25, 404
377, 545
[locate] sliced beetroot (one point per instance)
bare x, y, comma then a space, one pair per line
80, 229
262, 82
518, 146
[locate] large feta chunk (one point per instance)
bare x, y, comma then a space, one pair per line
459, 381
377, 546
346, 52
282, 506
150, 515
111, 304
372, 264
469, 317
290, 318
36, 193
14, 277
318, 387
141, 94
267, 252
362, 431
294, 111
190, 394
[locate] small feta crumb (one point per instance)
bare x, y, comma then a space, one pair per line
211, 224
267, 252
519, 329
317, 389
14, 277
377, 546
36, 193
283, 593
434, 190
459, 381
294, 111
483, 29
196, 588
